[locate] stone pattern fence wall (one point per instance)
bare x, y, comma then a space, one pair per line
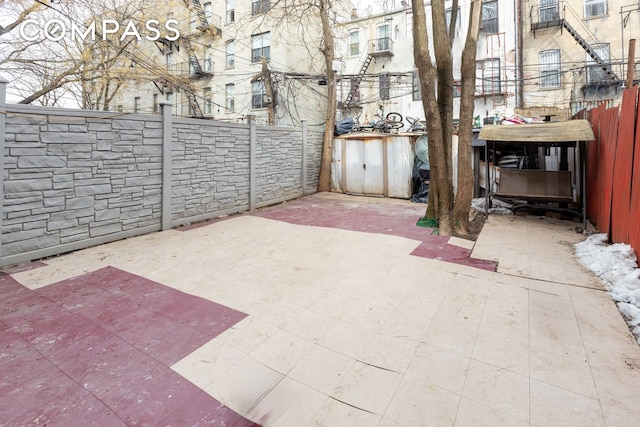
76, 178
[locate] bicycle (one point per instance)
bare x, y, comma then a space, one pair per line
416, 125
390, 122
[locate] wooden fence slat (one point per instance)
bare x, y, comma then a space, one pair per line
623, 166
634, 220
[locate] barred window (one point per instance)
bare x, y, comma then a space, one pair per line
385, 86
549, 10
550, 69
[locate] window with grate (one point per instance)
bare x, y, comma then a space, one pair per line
230, 94
354, 43
549, 10
355, 90
231, 11
549, 68
489, 22
595, 71
260, 46
258, 95
384, 83
260, 6
595, 8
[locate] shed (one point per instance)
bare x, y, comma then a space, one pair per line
521, 177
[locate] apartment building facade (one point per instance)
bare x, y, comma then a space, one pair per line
575, 53
237, 60
379, 68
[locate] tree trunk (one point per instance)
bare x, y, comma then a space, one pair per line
327, 144
439, 191
464, 195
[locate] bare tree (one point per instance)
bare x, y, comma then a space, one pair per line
439, 111
92, 70
464, 194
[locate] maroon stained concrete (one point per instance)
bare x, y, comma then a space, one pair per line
372, 215
97, 350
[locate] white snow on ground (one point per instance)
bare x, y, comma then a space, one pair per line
617, 266
497, 206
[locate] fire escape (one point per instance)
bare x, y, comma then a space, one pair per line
195, 69
549, 17
382, 47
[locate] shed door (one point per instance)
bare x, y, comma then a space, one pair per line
365, 166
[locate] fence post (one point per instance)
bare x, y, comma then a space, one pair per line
165, 112
304, 157
252, 164
3, 123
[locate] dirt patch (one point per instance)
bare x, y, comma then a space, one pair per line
476, 222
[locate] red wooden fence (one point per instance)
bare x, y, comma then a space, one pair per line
613, 171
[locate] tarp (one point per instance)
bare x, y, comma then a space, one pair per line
553, 132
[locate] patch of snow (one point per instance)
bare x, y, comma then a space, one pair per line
617, 266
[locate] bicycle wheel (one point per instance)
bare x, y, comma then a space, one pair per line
394, 120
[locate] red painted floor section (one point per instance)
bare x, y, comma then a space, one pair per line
371, 216
96, 350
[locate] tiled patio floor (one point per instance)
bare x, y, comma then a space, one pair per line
309, 314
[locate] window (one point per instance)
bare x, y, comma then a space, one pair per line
490, 76
193, 22
119, 108
595, 72
136, 104
258, 95
230, 91
550, 69
354, 43
155, 103
384, 40
169, 60
385, 86
169, 96
231, 12
208, 102
355, 90
260, 6
457, 88
549, 10
208, 61
447, 14
208, 12
595, 8
415, 87
490, 16
260, 46
231, 59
